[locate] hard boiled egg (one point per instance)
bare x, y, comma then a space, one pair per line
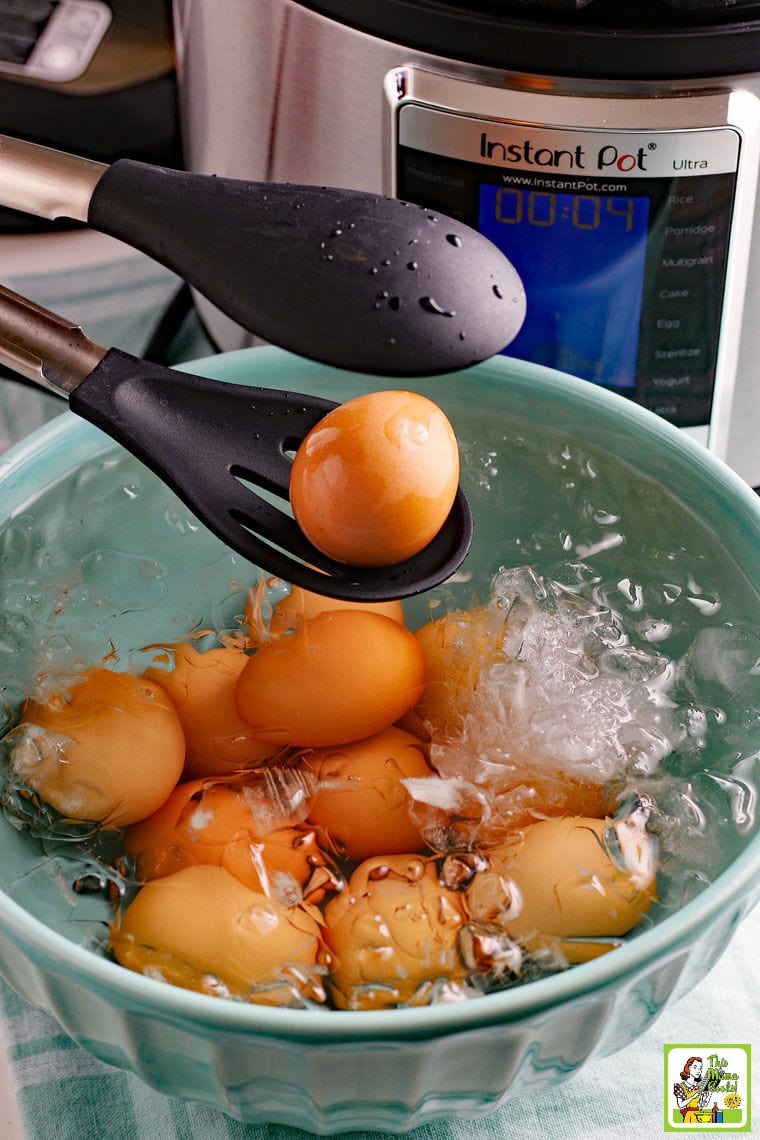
291, 610
205, 931
361, 807
462, 708
374, 481
211, 822
456, 648
558, 883
201, 686
394, 935
109, 750
341, 676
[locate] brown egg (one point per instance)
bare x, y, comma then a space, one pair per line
410, 722
203, 930
300, 604
211, 822
464, 715
374, 481
456, 648
201, 686
560, 882
361, 808
110, 750
288, 865
341, 676
393, 934
545, 792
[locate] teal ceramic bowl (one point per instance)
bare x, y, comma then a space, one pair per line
563, 476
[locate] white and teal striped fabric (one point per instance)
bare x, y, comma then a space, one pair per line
65, 1094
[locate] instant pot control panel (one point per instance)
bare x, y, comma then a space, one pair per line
628, 220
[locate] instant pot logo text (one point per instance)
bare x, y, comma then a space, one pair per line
607, 158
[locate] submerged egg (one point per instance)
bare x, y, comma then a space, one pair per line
394, 935
341, 676
205, 931
457, 648
544, 789
474, 685
374, 481
300, 604
212, 822
110, 750
287, 865
560, 883
201, 686
361, 807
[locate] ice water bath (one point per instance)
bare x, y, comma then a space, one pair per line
615, 640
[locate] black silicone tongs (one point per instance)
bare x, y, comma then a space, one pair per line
214, 444
348, 278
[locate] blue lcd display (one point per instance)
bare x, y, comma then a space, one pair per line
581, 259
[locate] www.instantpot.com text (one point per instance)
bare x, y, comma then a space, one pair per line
564, 183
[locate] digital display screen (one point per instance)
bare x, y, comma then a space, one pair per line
581, 259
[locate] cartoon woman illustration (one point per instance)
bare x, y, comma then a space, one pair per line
692, 1092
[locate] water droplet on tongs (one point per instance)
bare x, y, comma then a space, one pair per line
430, 305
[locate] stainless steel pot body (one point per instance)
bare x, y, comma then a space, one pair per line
271, 90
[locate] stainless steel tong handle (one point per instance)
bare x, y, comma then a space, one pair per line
36, 343
46, 182
44, 347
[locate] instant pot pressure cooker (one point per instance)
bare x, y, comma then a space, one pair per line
611, 150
